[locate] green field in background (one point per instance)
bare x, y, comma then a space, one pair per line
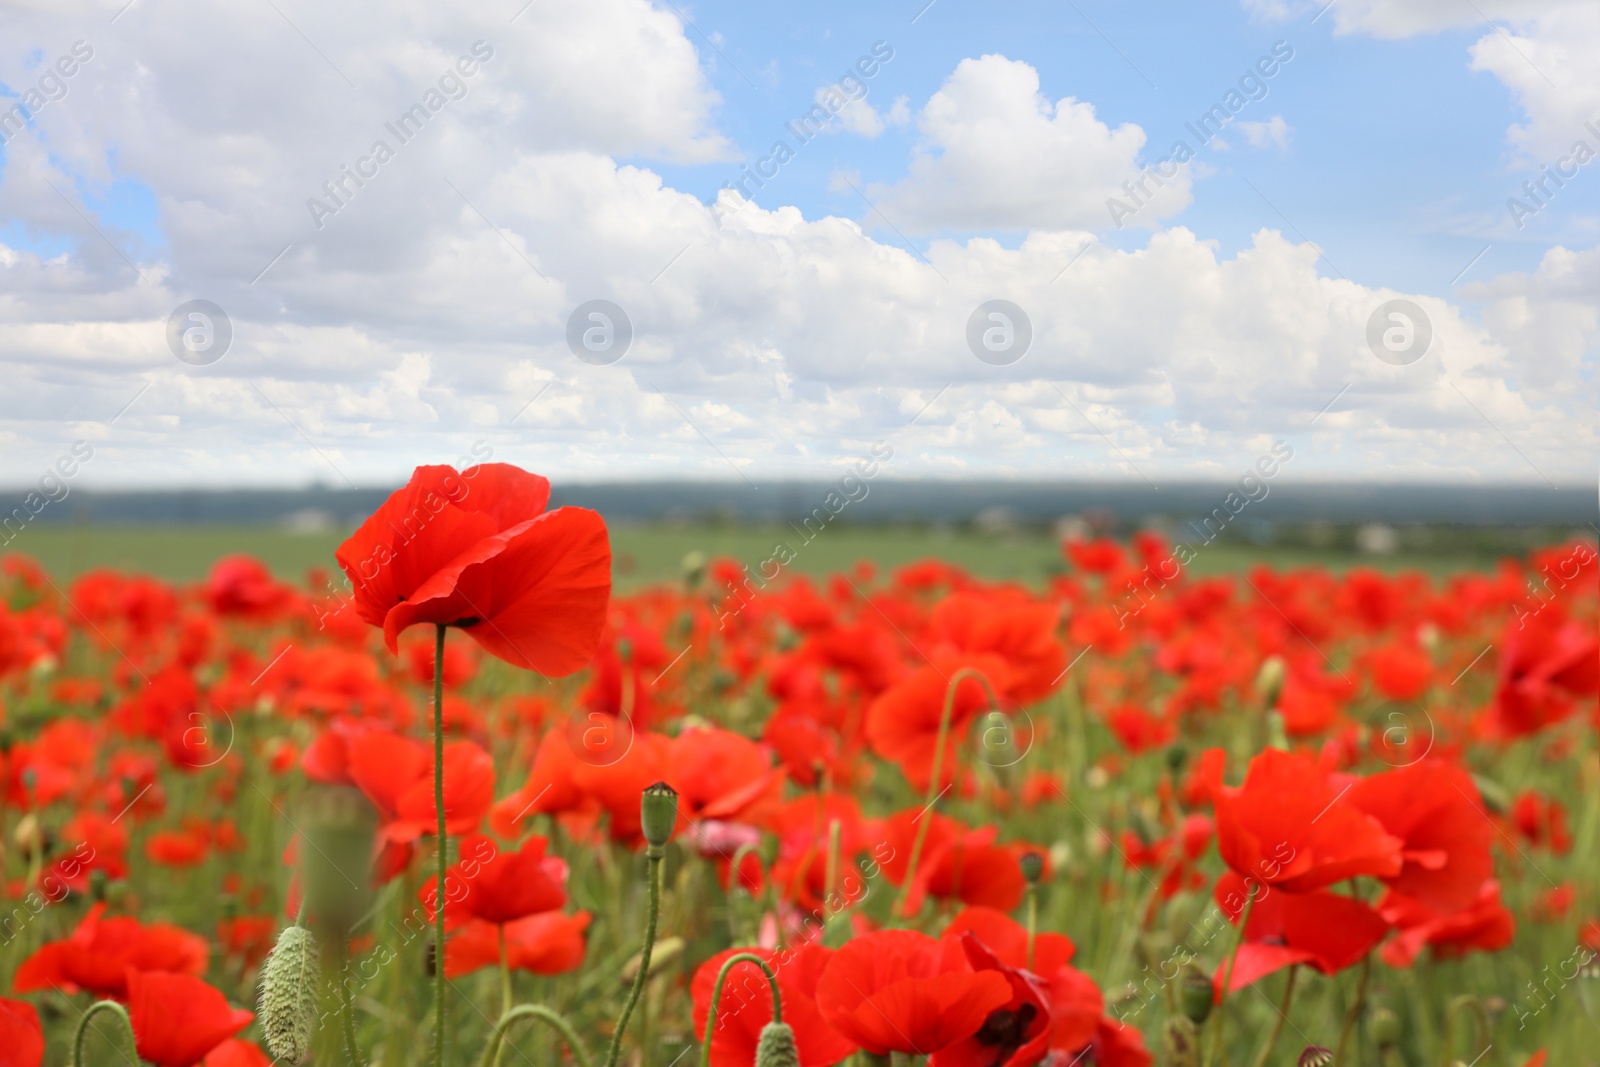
652, 553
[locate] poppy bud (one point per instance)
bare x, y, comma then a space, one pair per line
1032, 865
1383, 1026
658, 813
776, 1047
1196, 996
1315, 1056
1180, 1043
1277, 736
1177, 756
1269, 680
289, 981
693, 569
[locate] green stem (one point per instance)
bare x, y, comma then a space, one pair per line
347, 1011
83, 1025
1283, 1017
716, 996
1218, 1050
444, 850
1466, 1000
555, 1019
1033, 919
654, 854
933, 779
830, 870
1355, 1009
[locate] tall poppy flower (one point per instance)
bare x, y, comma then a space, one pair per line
1485, 925
1289, 825
178, 1019
498, 886
903, 722
551, 942
746, 1006
99, 953
477, 550
1434, 809
903, 991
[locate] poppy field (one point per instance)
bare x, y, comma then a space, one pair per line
452, 801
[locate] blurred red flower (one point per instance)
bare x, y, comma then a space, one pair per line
178, 1018
1325, 930
746, 1006
20, 1033
97, 956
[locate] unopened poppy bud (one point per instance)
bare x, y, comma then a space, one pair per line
776, 1047
1315, 1056
1032, 865
1177, 756
1180, 1043
1269, 680
1196, 996
289, 982
1383, 1026
658, 813
693, 569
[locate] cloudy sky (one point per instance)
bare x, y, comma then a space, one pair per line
278, 241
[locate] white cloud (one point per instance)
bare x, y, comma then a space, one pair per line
1272, 133
857, 115
996, 154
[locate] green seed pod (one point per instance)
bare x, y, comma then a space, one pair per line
775, 1048
1032, 865
289, 982
658, 813
1383, 1026
1196, 995
1180, 1043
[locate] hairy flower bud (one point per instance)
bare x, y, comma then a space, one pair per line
658, 813
776, 1047
289, 982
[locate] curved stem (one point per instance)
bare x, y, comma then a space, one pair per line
654, 854
1283, 1017
1355, 1009
1218, 1050
954, 684
444, 849
716, 996
555, 1019
83, 1025
1466, 1000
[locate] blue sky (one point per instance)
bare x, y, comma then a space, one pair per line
1375, 167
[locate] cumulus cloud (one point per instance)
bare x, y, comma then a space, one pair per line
1272, 133
996, 154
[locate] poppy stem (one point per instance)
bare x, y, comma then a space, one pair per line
830, 870
1033, 919
716, 996
83, 1025
1355, 1009
444, 849
1473, 1004
654, 854
902, 899
1283, 1017
505, 971
347, 1010
554, 1019
1219, 1051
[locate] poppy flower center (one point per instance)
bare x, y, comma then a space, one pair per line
1007, 1027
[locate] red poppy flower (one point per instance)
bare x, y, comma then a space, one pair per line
1322, 929
98, 954
1015, 1034
902, 991
903, 723
498, 886
1290, 826
20, 1033
550, 788
1434, 809
1082, 1032
396, 774
956, 863
236, 1053
550, 942
178, 1018
1008, 940
1545, 663
478, 551
746, 1006
1013, 626
1485, 925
